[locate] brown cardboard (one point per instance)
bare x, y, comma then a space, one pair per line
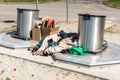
49, 31
36, 34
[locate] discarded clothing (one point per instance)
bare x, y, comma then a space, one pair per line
37, 46
57, 43
65, 35
63, 44
65, 51
52, 43
44, 45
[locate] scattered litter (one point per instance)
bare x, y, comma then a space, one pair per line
14, 69
32, 75
2, 71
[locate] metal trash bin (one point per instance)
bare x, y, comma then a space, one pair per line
26, 19
91, 31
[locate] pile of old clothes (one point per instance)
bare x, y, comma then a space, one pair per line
55, 43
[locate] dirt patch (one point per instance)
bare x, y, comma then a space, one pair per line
113, 29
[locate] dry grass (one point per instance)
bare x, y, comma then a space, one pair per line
113, 3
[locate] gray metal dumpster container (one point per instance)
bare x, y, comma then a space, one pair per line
91, 31
26, 19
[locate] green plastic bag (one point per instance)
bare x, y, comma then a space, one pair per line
77, 51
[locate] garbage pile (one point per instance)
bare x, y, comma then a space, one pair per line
60, 42
51, 40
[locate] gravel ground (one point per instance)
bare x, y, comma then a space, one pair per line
19, 69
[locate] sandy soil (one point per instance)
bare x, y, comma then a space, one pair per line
19, 69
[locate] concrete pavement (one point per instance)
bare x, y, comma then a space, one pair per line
58, 10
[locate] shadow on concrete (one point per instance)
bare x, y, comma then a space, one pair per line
9, 21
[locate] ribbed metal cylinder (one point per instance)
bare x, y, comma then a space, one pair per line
26, 19
91, 32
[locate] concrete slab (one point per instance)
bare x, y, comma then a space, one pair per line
7, 40
109, 56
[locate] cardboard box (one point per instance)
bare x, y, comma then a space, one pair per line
49, 31
36, 34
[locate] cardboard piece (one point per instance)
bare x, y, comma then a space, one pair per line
49, 31
36, 34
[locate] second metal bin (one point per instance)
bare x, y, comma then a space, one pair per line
91, 31
26, 19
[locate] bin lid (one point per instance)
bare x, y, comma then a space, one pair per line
27, 9
91, 15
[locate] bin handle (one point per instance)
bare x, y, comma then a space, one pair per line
104, 46
86, 17
20, 11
